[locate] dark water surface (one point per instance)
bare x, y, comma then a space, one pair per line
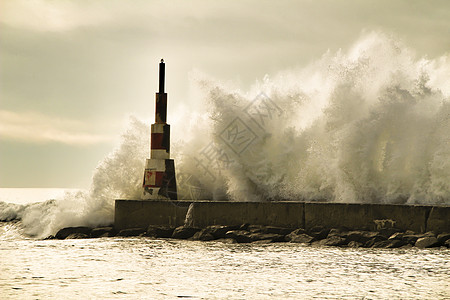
159, 269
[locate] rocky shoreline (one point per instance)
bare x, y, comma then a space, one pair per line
246, 233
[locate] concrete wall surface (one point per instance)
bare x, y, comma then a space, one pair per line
282, 214
142, 213
366, 216
439, 219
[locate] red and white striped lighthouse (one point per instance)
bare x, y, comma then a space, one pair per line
159, 176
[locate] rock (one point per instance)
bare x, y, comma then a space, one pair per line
443, 237
389, 244
318, 232
429, 233
241, 236
374, 240
273, 237
244, 226
333, 241
278, 230
396, 236
156, 231
354, 244
387, 232
298, 231
337, 232
102, 232
203, 235
184, 232
426, 242
359, 236
50, 237
219, 231
411, 238
131, 232
299, 238
256, 228
77, 235
447, 243
65, 232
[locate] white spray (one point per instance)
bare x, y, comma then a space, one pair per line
370, 125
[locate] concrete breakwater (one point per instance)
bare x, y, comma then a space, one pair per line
319, 224
305, 215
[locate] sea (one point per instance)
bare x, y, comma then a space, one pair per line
370, 124
146, 268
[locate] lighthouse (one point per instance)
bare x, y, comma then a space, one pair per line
159, 175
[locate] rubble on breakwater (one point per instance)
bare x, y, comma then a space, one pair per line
387, 237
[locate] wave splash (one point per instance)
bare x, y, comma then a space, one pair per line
118, 176
368, 125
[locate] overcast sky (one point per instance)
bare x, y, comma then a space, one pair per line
71, 72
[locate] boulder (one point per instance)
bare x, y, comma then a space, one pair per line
102, 232
203, 235
156, 231
77, 235
443, 237
278, 230
219, 231
240, 236
299, 238
318, 232
426, 242
131, 232
411, 238
387, 232
447, 243
354, 244
389, 244
397, 236
183, 232
244, 227
374, 240
65, 232
337, 232
333, 241
298, 231
273, 237
359, 236
256, 228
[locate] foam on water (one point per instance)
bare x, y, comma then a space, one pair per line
368, 125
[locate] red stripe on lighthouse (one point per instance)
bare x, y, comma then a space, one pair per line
153, 178
157, 140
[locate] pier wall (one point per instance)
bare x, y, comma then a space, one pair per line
140, 213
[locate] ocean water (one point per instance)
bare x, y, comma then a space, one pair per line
144, 268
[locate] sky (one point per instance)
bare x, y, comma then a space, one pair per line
72, 72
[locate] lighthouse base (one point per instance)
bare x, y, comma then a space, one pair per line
159, 180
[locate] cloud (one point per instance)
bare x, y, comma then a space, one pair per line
38, 128
42, 15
